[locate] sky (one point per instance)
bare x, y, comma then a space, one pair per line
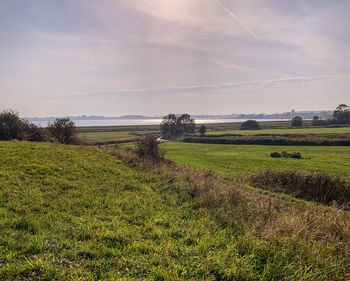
153, 57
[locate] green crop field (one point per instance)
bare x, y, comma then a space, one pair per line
233, 160
285, 131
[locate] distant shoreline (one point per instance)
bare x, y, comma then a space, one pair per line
143, 122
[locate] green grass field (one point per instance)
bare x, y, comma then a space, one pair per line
285, 131
234, 160
80, 213
105, 136
75, 213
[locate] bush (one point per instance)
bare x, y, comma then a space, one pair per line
275, 154
316, 186
297, 121
13, 127
285, 154
296, 155
202, 130
35, 133
250, 125
148, 146
64, 131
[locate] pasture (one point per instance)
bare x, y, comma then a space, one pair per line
236, 160
81, 213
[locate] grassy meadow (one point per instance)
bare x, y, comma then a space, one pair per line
76, 213
81, 213
235, 160
103, 213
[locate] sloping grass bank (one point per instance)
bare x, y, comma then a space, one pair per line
296, 234
80, 213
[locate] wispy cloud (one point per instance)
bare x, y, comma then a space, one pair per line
204, 87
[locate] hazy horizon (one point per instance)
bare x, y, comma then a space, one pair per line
152, 57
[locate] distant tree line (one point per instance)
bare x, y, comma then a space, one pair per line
12, 127
341, 115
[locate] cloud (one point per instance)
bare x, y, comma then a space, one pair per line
198, 88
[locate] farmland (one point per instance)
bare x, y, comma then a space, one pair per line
234, 160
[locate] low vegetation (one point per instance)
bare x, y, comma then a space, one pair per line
149, 146
297, 121
250, 125
13, 127
64, 131
285, 154
316, 186
202, 130
274, 139
270, 219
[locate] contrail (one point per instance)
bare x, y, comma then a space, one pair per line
237, 19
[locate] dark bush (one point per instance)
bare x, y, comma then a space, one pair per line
64, 131
250, 125
275, 154
11, 126
285, 154
35, 133
297, 121
317, 122
148, 146
316, 186
202, 130
296, 155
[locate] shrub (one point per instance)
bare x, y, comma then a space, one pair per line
285, 154
297, 121
250, 125
148, 146
64, 131
296, 155
317, 122
275, 154
11, 126
202, 130
35, 133
316, 186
